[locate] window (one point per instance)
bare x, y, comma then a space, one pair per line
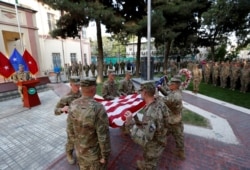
73, 58
51, 21
56, 59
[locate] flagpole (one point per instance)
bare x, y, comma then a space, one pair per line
18, 25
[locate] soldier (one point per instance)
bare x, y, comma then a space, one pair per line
207, 72
174, 102
80, 69
66, 69
235, 75
151, 133
197, 77
105, 68
93, 68
90, 126
126, 85
215, 73
225, 72
110, 66
86, 69
110, 87
116, 68
162, 83
75, 69
62, 107
20, 76
245, 77
122, 65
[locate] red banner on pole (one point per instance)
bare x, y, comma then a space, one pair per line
31, 62
6, 69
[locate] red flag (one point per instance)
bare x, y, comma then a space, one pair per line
6, 69
31, 62
116, 108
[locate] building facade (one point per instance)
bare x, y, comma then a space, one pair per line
33, 23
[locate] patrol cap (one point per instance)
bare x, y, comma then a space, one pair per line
148, 86
75, 80
175, 80
86, 82
21, 65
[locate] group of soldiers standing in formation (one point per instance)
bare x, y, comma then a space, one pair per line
88, 124
77, 69
233, 75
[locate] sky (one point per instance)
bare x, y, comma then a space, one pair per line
91, 31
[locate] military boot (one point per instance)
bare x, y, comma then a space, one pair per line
70, 157
180, 154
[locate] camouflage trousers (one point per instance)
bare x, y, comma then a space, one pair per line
70, 141
90, 165
176, 130
196, 84
151, 154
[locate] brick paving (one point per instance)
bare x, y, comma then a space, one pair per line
35, 138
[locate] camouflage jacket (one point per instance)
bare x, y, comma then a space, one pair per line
174, 102
110, 90
66, 101
127, 87
21, 76
90, 127
154, 124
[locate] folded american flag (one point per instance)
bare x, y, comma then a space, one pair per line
116, 108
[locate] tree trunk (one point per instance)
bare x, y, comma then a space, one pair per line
166, 54
138, 57
100, 52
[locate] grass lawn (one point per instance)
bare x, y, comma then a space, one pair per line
224, 94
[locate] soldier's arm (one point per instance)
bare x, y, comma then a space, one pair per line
105, 94
102, 130
61, 104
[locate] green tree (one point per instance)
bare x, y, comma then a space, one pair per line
175, 25
223, 18
78, 13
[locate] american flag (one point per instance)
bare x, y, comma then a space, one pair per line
116, 108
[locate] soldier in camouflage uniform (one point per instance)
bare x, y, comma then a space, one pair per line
110, 87
93, 68
162, 83
151, 133
105, 68
126, 85
215, 73
116, 65
20, 76
90, 125
86, 69
207, 72
122, 65
245, 77
174, 102
62, 107
197, 77
224, 74
235, 75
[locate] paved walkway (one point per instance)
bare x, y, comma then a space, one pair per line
33, 139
